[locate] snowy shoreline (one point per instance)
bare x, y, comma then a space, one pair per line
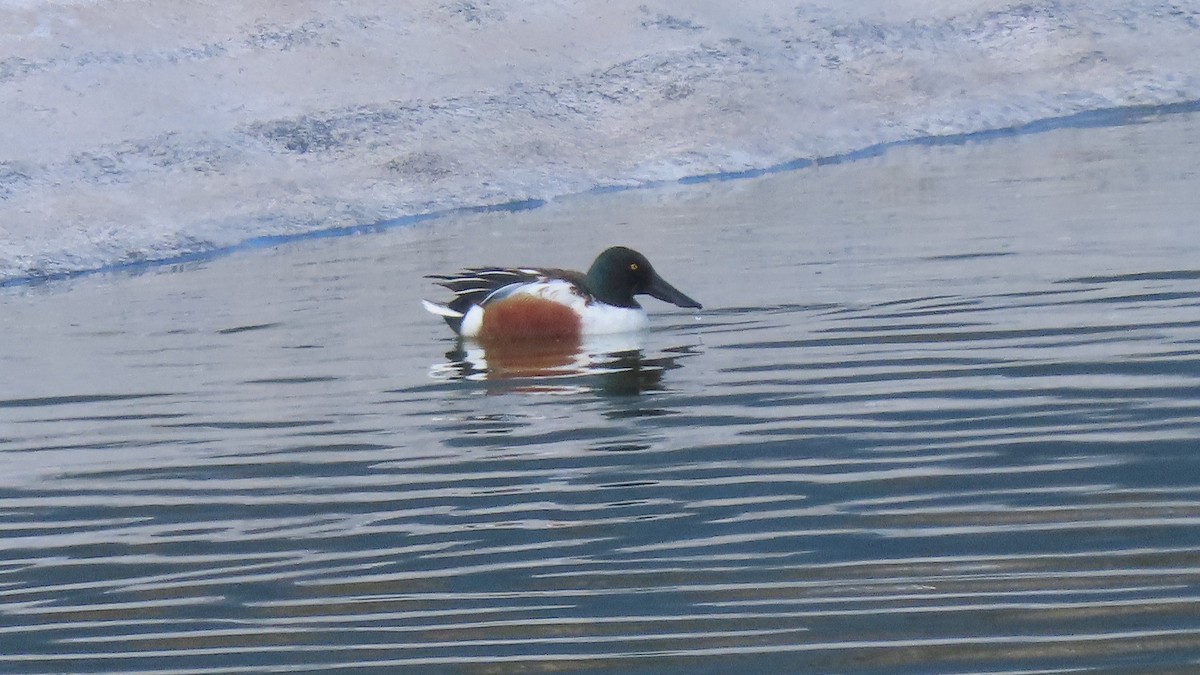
159, 133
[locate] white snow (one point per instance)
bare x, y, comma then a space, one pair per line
134, 130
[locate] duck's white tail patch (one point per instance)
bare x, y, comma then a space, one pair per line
440, 310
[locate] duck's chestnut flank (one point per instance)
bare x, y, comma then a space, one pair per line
524, 316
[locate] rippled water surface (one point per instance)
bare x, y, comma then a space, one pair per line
940, 415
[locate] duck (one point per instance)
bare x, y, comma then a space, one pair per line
523, 303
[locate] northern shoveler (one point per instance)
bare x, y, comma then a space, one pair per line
514, 303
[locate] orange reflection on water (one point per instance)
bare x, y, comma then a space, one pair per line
610, 365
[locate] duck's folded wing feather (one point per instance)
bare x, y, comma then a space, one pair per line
477, 285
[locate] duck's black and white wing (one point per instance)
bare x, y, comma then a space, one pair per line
474, 286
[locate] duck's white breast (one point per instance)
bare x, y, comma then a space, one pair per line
601, 319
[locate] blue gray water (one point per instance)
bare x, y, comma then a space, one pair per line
938, 416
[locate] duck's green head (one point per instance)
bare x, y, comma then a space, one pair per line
620, 273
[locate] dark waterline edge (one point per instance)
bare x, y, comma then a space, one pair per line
1088, 119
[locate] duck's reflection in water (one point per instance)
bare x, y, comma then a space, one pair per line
612, 365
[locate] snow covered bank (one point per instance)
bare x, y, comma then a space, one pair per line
147, 130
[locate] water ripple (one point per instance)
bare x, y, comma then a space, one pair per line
993, 473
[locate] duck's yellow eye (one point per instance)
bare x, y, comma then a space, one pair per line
633, 266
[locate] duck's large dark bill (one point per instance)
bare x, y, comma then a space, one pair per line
668, 293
